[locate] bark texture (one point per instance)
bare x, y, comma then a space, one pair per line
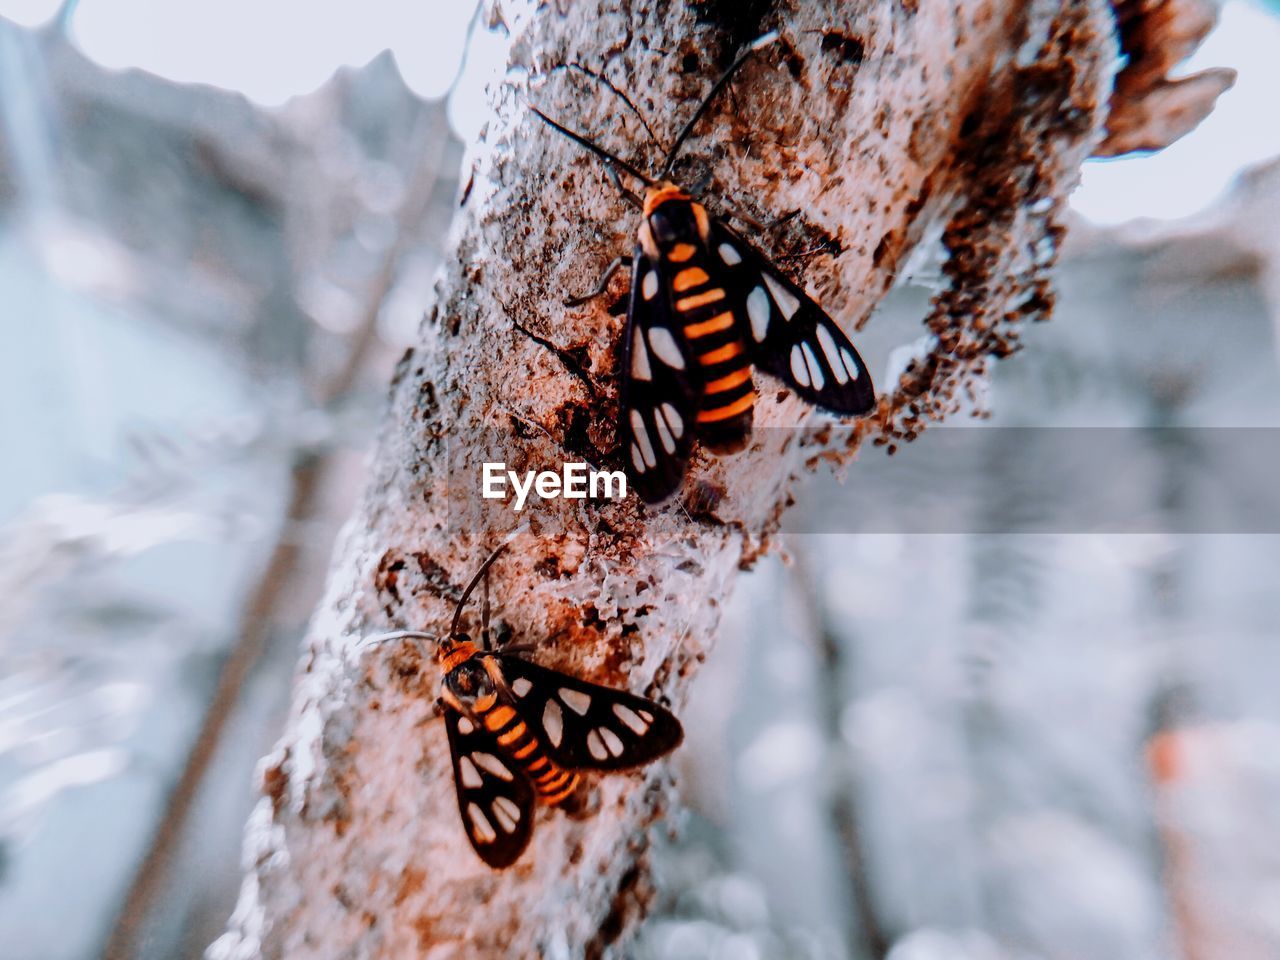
872, 125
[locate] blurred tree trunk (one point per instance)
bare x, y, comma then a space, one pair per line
872, 124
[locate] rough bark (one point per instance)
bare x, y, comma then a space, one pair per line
872, 125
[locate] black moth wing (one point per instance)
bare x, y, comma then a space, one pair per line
495, 798
789, 335
585, 725
660, 386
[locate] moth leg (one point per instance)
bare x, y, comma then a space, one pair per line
519, 648
610, 270
768, 226
533, 647
484, 615
612, 172
750, 221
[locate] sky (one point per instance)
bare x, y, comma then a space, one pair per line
269, 51
238, 45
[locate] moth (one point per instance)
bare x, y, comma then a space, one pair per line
705, 308
519, 734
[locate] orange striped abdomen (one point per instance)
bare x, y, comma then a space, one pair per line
552, 782
728, 394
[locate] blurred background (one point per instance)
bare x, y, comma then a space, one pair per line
218, 230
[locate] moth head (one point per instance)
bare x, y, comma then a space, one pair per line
455, 651
470, 683
673, 217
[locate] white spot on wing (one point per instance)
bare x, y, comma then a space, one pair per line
481, 828
465, 726
673, 419
576, 700
646, 716
850, 364
595, 746
832, 352
640, 369
664, 345
784, 298
730, 255
491, 764
630, 718
468, 773
611, 741
649, 285
798, 368
815, 369
637, 459
506, 813
521, 687
758, 312
642, 438
664, 432
553, 722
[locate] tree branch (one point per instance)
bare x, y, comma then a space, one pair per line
878, 122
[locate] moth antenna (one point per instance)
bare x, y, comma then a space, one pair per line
399, 635
758, 44
599, 151
475, 579
602, 79
612, 172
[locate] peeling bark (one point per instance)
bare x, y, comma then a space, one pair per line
872, 125
1149, 111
